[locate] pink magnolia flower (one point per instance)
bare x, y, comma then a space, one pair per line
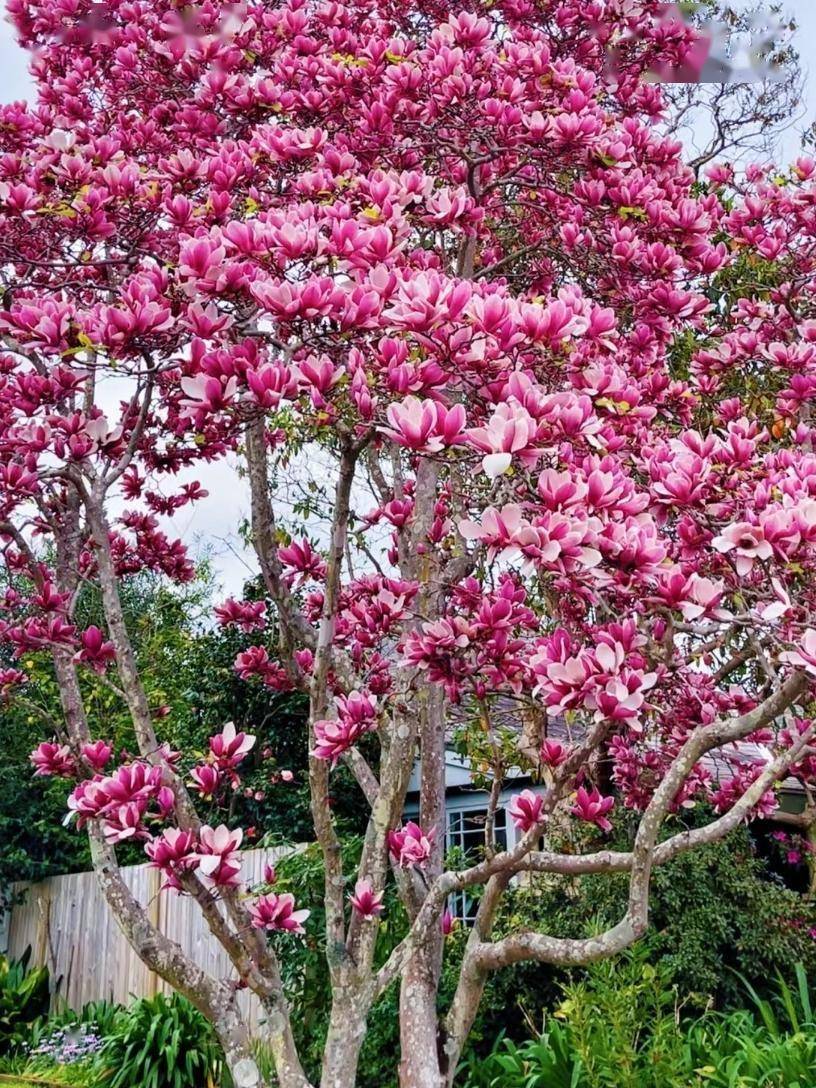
334, 737
592, 807
358, 706
123, 822
269, 874
779, 607
804, 656
173, 852
447, 923
424, 425
166, 801
410, 845
747, 542
9, 678
97, 754
276, 913
357, 715
303, 560
254, 661
503, 530
53, 759
207, 395
95, 651
525, 809
136, 781
511, 430
703, 599
621, 697
366, 901
218, 860
206, 779
229, 747
552, 753
168, 754
269, 384
244, 615
425, 299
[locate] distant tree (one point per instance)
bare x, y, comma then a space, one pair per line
737, 119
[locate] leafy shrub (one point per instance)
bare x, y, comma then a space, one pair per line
620, 1027
103, 1016
547, 1062
99, 1017
716, 914
161, 1042
24, 996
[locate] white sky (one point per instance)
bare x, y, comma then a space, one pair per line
212, 524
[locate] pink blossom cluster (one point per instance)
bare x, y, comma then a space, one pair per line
410, 845
124, 801
212, 853
610, 679
356, 715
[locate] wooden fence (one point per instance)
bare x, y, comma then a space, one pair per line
66, 923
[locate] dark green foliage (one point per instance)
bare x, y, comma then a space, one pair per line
714, 912
24, 996
213, 694
161, 1042
623, 1026
546, 1062
187, 666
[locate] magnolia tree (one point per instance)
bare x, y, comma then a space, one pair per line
448, 253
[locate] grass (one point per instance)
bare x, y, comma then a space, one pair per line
26, 1082
38, 1080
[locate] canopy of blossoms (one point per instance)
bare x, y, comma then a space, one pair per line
451, 249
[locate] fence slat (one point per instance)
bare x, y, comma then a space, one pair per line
66, 923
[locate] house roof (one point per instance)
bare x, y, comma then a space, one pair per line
721, 764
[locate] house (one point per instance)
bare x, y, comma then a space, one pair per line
466, 805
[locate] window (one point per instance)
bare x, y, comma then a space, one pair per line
466, 831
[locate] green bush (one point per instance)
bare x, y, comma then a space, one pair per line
24, 996
716, 914
161, 1042
547, 1062
100, 1016
621, 1026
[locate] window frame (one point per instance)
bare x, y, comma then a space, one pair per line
462, 906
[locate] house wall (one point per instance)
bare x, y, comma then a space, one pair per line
474, 801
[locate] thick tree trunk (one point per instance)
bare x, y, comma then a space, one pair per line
234, 1039
419, 1021
419, 1027
347, 1027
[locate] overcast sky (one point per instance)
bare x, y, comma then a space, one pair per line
213, 523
